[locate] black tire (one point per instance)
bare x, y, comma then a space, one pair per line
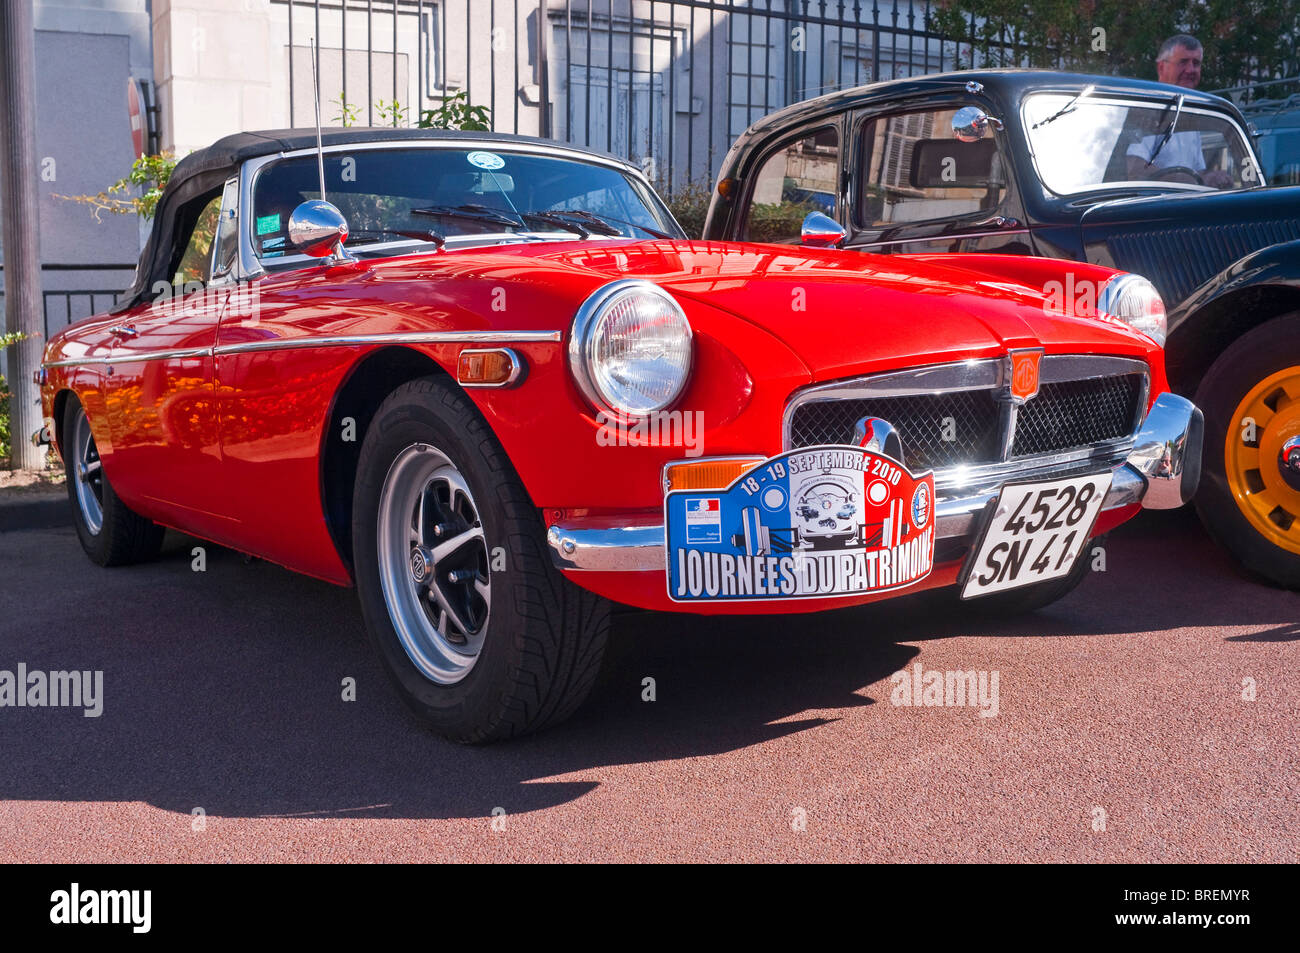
1032, 598
1253, 357
123, 536
544, 637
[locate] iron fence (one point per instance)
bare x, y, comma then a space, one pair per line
666, 84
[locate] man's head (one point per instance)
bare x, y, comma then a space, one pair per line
1179, 61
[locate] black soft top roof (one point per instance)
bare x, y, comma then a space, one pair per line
229, 152
206, 170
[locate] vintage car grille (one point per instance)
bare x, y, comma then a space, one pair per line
1082, 401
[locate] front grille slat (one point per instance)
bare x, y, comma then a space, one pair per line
922, 421
1064, 416
1070, 414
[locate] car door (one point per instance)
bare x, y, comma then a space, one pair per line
915, 187
159, 386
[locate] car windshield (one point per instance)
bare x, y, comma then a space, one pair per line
417, 196
1101, 143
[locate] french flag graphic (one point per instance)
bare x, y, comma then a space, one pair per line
704, 520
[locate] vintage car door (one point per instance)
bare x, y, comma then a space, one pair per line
159, 384
913, 186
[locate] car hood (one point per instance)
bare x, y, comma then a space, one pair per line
846, 313
1180, 241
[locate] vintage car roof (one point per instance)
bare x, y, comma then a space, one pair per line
1010, 82
232, 150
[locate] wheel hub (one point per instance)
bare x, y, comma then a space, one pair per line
1288, 463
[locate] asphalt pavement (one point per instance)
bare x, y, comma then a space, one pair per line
1150, 716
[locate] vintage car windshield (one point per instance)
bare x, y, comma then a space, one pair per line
1100, 143
394, 197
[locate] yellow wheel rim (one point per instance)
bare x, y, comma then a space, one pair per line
1267, 491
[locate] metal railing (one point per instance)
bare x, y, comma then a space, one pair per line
666, 84
63, 306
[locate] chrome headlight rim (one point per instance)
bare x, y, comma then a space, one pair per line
1112, 293
582, 336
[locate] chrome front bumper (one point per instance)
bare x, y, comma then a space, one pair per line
1159, 468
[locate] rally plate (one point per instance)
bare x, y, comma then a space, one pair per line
811, 523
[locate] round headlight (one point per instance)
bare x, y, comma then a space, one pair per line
1134, 301
630, 348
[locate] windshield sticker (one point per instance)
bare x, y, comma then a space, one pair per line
486, 160
816, 522
268, 224
270, 243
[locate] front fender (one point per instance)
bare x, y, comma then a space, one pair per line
1260, 286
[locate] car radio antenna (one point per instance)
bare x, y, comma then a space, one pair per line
315, 95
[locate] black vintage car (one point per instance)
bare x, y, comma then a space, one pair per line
1153, 179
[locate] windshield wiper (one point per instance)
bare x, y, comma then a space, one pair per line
1169, 131
471, 213
367, 236
600, 223
560, 220
1066, 109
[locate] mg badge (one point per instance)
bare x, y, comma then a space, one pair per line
1022, 374
419, 566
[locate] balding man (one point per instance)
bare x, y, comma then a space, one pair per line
1178, 63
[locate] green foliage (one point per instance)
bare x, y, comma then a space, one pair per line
150, 173
777, 222
689, 204
348, 114
457, 113
1119, 37
6, 341
391, 114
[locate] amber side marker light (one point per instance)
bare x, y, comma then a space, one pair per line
727, 188
715, 473
489, 367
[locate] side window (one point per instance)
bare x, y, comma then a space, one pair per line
196, 259
915, 170
800, 177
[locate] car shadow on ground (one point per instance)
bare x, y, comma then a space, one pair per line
224, 690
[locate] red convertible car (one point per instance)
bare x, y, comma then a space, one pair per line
492, 385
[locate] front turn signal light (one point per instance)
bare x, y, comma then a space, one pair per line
714, 473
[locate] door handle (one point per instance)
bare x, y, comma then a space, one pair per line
124, 331
998, 221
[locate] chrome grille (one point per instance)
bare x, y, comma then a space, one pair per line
1070, 414
1083, 401
922, 421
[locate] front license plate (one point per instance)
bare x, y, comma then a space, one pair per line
1036, 533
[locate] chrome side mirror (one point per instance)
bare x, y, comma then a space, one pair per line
318, 229
970, 123
820, 231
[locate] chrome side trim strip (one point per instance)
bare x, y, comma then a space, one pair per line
396, 337
173, 354
347, 340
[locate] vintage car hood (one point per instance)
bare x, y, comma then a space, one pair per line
849, 313
1180, 241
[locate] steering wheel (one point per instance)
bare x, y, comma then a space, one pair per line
1169, 169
